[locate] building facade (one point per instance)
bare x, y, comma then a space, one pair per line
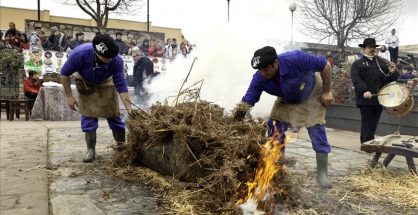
21, 17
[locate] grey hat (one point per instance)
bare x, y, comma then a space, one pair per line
54, 28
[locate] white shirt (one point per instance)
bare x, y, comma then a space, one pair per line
392, 41
384, 55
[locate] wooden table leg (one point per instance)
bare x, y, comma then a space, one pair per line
388, 159
411, 165
27, 110
375, 159
11, 111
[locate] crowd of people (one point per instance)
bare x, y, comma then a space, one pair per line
144, 53
59, 41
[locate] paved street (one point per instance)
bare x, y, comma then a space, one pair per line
42, 160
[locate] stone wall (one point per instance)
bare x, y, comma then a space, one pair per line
89, 31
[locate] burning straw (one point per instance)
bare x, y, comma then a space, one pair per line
208, 156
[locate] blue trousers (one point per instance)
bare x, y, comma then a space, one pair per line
90, 124
317, 135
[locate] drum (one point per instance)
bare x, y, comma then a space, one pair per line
396, 99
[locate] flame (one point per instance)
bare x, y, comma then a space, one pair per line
268, 167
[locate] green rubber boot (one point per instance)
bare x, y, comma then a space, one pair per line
119, 137
91, 146
322, 171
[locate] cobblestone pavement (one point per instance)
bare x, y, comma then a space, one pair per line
100, 193
29, 184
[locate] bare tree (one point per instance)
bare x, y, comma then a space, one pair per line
99, 10
344, 21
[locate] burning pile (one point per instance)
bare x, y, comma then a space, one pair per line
262, 187
211, 154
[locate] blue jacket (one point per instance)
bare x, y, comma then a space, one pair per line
82, 60
294, 81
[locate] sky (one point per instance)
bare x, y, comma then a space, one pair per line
192, 15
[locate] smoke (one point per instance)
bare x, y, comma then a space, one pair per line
224, 51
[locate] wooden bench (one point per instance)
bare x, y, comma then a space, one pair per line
16, 105
393, 145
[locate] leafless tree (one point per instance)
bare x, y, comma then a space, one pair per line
99, 10
344, 21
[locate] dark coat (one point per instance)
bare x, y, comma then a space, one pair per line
143, 69
122, 46
366, 76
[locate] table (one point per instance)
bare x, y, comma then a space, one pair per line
51, 104
393, 145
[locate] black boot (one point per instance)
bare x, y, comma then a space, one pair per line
91, 146
322, 171
119, 137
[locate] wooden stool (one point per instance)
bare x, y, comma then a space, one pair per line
398, 145
17, 105
4, 103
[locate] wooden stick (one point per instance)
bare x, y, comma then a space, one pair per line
185, 80
382, 94
188, 147
141, 111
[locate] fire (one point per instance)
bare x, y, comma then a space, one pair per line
268, 167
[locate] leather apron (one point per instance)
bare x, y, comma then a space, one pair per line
97, 100
306, 114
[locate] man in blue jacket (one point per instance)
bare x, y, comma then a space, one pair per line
302, 97
98, 71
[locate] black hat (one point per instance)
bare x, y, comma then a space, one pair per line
263, 57
105, 46
368, 42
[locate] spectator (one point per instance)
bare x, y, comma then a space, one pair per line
16, 40
152, 50
32, 85
330, 59
144, 47
171, 48
79, 39
57, 41
167, 46
133, 47
411, 60
12, 31
24, 43
384, 53
8, 43
143, 69
393, 43
185, 48
44, 40
35, 38
175, 48
407, 73
160, 50
120, 43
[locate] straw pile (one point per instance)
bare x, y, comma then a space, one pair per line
208, 156
384, 186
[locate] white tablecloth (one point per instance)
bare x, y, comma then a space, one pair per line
51, 104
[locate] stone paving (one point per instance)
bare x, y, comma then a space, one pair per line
23, 179
29, 184
76, 185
